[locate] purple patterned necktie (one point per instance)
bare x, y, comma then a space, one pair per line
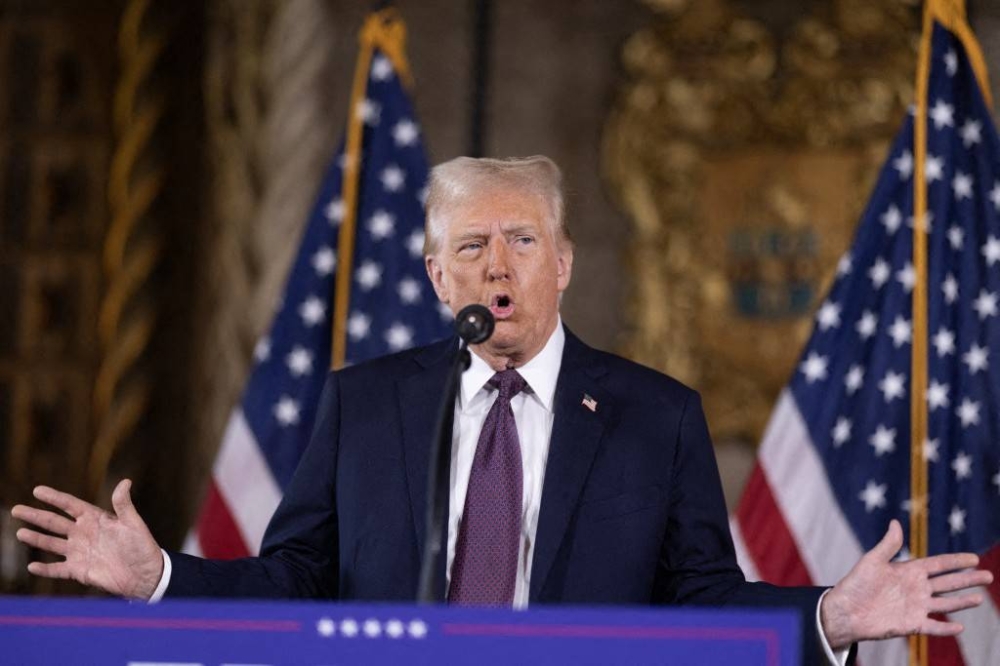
485, 567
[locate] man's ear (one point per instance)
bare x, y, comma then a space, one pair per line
435, 271
564, 266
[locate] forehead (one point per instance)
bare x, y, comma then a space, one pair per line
485, 207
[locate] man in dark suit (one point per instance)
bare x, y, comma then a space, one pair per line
576, 476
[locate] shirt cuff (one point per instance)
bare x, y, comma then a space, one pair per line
161, 587
833, 657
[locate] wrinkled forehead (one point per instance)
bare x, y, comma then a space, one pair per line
486, 204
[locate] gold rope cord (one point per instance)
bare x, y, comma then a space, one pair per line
383, 30
132, 247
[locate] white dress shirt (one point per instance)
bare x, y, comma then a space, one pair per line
533, 416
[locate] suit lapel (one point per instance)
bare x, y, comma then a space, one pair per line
420, 398
576, 435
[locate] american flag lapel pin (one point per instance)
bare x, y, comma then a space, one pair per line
589, 402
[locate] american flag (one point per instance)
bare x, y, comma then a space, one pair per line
834, 465
391, 307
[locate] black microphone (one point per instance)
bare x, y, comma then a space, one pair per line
474, 323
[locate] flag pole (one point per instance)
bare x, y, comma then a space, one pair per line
384, 30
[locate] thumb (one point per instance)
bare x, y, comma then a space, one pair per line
890, 544
121, 500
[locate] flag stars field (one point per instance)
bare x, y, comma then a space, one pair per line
854, 379
942, 114
873, 496
381, 225
393, 178
892, 386
968, 412
324, 261
415, 244
879, 273
930, 450
976, 358
891, 219
962, 466
399, 337
358, 325
814, 368
883, 440
299, 361
867, 325
956, 237
956, 520
369, 275
962, 186
405, 133
971, 132
841, 431
287, 411
937, 395
991, 250
828, 316
312, 311
334, 211
409, 291
985, 304
903, 164
950, 289
933, 168
901, 332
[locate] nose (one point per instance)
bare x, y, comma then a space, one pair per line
499, 267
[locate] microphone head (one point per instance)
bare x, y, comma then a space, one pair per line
474, 323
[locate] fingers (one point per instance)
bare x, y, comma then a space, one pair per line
72, 505
938, 628
954, 604
51, 522
949, 562
121, 500
50, 569
890, 544
960, 580
45, 542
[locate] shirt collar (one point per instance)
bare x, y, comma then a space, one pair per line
541, 372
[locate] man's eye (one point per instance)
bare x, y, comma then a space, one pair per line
471, 246
525, 240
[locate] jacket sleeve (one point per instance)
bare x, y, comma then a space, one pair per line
299, 555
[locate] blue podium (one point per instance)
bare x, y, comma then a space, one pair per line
116, 633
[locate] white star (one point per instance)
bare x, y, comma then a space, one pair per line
262, 351
828, 316
985, 304
956, 520
995, 194
976, 358
962, 465
904, 164
884, 440
844, 265
903, 555
398, 337
892, 386
334, 211
417, 629
814, 367
358, 325
381, 225
930, 449
942, 114
415, 244
937, 395
299, 361
286, 411
422, 195
900, 332
369, 111
996, 481
381, 68
841, 431
394, 629
854, 378
961, 184
951, 62
971, 132
950, 288
867, 325
409, 290
324, 261
372, 628
968, 412
326, 627
873, 496
991, 250
933, 168
956, 237
928, 221
393, 178
312, 310
907, 277
445, 312
944, 342
405, 133
879, 273
891, 219
349, 628
369, 275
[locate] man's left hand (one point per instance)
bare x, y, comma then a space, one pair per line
880, 598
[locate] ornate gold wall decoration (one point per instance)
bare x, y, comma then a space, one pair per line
744, 161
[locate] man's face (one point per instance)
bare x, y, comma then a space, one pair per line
499, 250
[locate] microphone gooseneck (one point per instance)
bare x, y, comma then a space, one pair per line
474, 323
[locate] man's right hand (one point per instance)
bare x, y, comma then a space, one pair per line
112, 551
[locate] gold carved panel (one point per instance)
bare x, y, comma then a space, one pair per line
744, 159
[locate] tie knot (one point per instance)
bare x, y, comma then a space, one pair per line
509, 383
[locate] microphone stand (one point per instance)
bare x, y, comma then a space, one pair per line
439, 481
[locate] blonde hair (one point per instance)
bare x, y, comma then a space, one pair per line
465, 177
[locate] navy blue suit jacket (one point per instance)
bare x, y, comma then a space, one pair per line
632, 509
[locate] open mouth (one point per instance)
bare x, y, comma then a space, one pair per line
501, 306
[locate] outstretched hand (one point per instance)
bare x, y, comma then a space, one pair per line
112, 551
880, 598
